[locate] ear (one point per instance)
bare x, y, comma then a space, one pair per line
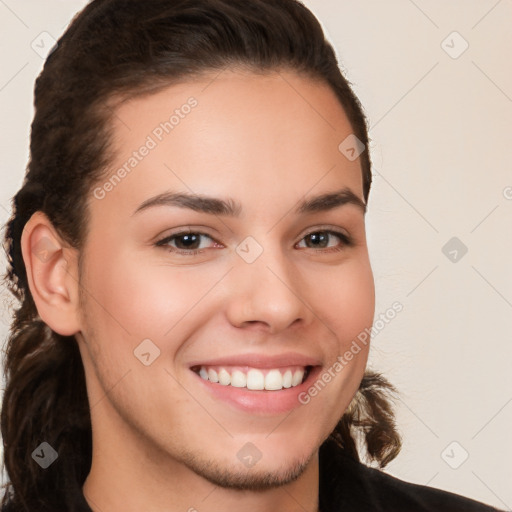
52, 274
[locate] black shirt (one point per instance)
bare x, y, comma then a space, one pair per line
350, 486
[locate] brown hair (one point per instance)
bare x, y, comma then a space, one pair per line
120, 49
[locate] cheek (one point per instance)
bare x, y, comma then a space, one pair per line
148, 300
344, 298
345, 302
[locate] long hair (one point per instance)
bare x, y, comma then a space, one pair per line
114, 50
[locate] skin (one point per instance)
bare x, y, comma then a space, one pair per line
160, 441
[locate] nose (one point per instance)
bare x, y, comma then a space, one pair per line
267, 295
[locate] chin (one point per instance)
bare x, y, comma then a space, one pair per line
254, 476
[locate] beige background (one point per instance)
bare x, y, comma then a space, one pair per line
441, 121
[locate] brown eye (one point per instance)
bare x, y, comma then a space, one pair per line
325, 240
320, 239
187, 242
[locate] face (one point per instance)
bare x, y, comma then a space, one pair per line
220, 286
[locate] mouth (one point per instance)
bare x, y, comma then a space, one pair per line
254, 379
263, 387
256, 383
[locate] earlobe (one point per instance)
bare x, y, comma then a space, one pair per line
52, 274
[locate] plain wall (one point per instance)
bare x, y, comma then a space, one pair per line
441, 121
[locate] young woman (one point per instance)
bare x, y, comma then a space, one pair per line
189, 253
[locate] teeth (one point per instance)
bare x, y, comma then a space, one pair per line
287, 379
254, 379
297, 377
212, 375
238, 379
274, 380
224, 377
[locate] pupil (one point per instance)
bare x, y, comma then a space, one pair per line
318, 237
187, 241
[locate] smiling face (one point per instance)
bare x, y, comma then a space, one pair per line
226, 243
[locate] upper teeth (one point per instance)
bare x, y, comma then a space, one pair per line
252, 378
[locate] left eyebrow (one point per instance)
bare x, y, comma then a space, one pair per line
329, 201
230, 207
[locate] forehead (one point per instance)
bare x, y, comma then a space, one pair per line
231, 133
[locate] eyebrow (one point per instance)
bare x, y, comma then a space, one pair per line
231, 208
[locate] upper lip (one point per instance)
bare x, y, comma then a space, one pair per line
261, 361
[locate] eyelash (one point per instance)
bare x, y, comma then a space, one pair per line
346, 241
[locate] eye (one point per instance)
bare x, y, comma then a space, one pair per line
187, 242
325, 239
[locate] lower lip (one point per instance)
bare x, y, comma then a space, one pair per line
261, 401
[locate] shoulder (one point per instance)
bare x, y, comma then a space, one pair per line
348, 485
